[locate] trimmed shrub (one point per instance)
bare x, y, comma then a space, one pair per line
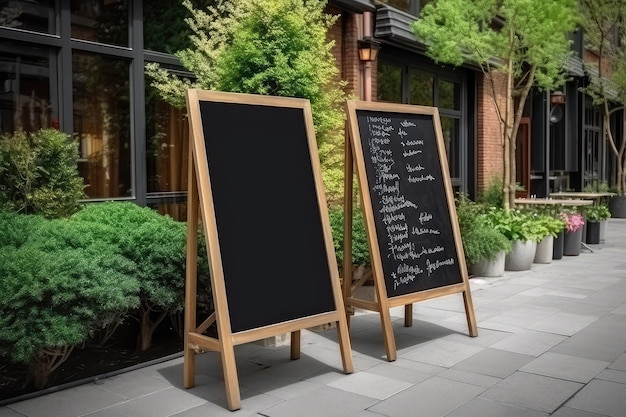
38, 173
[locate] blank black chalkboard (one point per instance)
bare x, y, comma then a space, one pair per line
271, 238
410, 206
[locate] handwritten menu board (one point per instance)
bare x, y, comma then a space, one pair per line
410, 206
275, 262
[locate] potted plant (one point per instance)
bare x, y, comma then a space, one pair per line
574, 223
520, 229
550, 227
597, 215
485, 247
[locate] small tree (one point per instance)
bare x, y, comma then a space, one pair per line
604, 23
38, 173
57, 288
157, 244
526, 40
273, 47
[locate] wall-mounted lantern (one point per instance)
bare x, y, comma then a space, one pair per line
557, 97
368, 49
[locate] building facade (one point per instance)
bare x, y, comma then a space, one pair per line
78, 66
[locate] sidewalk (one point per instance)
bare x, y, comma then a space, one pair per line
551, 341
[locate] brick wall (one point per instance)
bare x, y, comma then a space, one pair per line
489, 142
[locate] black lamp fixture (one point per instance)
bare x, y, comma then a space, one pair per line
368, 49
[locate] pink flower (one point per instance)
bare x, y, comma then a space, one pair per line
573, 221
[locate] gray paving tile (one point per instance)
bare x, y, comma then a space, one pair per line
441, 353
326, 401
161, 404
73, 402
434, 397
604, 339
370, 385
536, 392
7, 412
494, 362
572, 412
602, 397
613, 375
480, 380
619, 364
529, 342
480, 407
250, 407
485, 338
132, 384
570, 368
563, 323
397, 371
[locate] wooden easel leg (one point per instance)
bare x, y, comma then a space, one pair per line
390, 341
469, 313
343, 334
408, 315
229, 366
295, 344
191, 283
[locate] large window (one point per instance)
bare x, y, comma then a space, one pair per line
409, 6
36, 16
102, 123
103, 21
25, 91
426, 86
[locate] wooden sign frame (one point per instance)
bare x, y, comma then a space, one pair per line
200, 195
382, 302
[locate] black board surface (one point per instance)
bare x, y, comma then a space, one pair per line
410, 208
268, 219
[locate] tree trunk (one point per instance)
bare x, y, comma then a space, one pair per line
147, 328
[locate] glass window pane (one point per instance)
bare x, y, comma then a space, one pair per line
420, 88
102, 124
103, 21
25, 89
164, 27
167, 147
28, 15
449, 95
177, 210
450, 129
404, 5
389, 83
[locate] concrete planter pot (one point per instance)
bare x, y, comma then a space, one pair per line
593, 232
604, 227
545, 250
489, 267
557, 246
572, 242
617, 206
521, 256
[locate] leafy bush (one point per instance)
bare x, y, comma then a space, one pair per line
38, 173
597, 212
515, 224
547, 225
493, 196
480, 240
360, 247
157, 244
57, 288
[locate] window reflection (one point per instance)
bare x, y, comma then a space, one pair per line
421, 88
389, 83
167, 147
28, 15
25, 90
449, 95
102, 124
104, 21
450, 129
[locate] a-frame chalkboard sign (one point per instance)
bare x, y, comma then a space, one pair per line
255, 172
408, 206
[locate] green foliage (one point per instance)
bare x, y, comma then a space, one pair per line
604, 25
492, 195
547, 225
515, 225
154, 242
360, 247
526, 40
58, 287
38, 173
273, 47
480, 240
597, 212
